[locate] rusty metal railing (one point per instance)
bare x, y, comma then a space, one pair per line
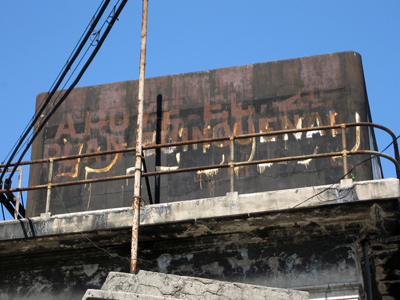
231, 163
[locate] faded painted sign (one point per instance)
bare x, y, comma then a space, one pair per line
265, 97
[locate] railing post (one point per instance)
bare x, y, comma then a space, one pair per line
17, 200
50, 179
231, 163
345, 169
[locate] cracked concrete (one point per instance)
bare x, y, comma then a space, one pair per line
259, 240
165, 286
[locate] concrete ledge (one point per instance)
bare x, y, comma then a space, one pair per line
235, 205
184, 287
111, 295
226, 206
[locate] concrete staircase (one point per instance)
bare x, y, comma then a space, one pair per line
151, 286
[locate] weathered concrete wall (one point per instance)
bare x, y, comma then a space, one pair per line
256, 239
265, 97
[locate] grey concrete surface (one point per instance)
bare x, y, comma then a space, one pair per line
232, 204
112, 295
308, 238
183, 287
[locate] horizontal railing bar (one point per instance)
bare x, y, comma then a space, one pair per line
211, 140
208, 167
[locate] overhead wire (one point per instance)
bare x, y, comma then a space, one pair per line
89, 29
27, 143
47, 99
96, 33
115, 15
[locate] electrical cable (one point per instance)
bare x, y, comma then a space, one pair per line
93, 54
89, 29
50, 95
96, 33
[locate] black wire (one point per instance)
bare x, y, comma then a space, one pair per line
390, 144
50, 95
2, 210
88, 29
93, 54
49, 109
76, 67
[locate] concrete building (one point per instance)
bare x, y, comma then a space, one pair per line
266, 198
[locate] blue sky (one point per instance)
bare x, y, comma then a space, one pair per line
184, 36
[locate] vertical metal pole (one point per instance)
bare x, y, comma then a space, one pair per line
367, 269
49, 185
396, 155
231, 161
139, 145
18, 194
346, 176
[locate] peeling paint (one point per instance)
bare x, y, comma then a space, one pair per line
262, 167
209, 173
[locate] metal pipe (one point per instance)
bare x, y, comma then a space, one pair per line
139, 137
120, 177
50, 179
367, 269
231, 163
193, 169
209, 140
345, 170
17, 200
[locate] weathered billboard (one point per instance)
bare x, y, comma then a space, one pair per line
264, 97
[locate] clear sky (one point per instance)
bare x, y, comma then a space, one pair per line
37, 37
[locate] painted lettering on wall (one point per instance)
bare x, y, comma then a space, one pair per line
115, 129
